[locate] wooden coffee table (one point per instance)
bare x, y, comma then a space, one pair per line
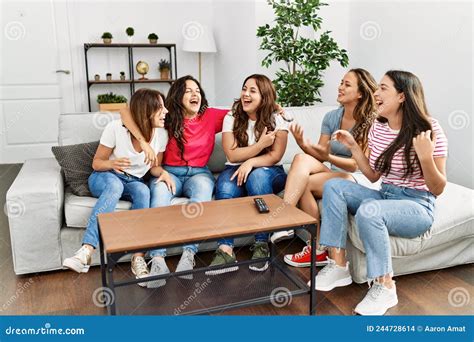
122, 233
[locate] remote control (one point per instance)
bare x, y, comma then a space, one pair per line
261, 205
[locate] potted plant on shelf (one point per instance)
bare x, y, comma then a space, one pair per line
130, 32
97, 77
153, 38
107, 37
164, 67
108, 76
111, 102
122, 75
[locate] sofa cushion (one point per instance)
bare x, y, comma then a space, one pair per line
78, 128
76, 164
453, 220
78, 209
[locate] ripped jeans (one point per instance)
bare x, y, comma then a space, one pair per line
390, 211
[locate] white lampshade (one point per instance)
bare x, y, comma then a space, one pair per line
198, 38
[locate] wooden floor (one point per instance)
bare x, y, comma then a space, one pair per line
67, 293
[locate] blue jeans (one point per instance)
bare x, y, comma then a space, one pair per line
109, 187
260, 181
392, 210
195, 183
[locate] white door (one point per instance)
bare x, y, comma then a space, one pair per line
36, 83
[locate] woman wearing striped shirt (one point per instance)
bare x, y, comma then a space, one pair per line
407, 150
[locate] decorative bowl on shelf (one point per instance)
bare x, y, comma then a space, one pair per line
142, 68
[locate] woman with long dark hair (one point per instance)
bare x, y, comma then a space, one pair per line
308, 173
407, 149
191, 127
254, 140
119, 169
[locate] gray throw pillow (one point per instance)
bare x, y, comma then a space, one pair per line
76, 164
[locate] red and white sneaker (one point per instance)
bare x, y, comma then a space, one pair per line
303, 258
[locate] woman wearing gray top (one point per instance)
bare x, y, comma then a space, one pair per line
308, 174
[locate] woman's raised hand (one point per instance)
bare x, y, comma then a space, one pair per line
345, 138
298, 133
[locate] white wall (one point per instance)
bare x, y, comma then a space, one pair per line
89, 19
430, 38
433, 40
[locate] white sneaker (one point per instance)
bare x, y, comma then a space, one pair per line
140, 269
186, 263
331, 276
158, 267
378, 300
80, 262
283, 235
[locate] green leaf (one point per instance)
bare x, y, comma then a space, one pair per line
306, 58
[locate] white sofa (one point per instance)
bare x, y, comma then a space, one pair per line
51, 223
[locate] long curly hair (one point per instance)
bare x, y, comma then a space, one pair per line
415, 120
143, 106
264, 111
365, 111
174, 122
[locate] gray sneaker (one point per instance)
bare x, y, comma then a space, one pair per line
158, 267
186, 263
378, 300
332, 276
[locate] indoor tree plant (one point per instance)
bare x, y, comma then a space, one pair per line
130, 32
304, 59
153, 38
164, 67
107, 37
111, 102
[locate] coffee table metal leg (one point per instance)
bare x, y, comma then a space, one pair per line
111, 262
272, 259
103, 266
312, 293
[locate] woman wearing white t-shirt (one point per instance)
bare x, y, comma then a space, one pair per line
119, 166
254, 140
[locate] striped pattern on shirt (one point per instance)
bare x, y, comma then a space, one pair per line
381, 136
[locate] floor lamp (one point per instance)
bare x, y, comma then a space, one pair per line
203, 42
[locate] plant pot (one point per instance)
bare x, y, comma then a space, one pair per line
153, 41
122, 77
111, 107
97, 77
107, 40
165, 74
130, 39
109, 77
